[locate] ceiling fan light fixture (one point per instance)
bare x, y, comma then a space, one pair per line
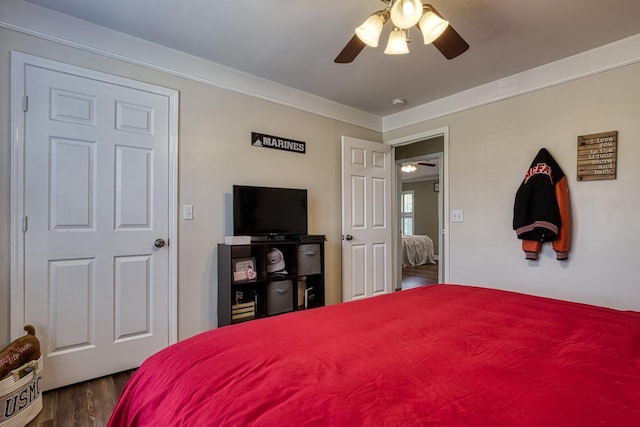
432, 26
397, 44
369, 31
406, 13
408, 168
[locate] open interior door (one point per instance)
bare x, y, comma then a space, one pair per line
367, 250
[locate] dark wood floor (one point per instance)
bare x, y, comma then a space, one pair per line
426, 274
87, 404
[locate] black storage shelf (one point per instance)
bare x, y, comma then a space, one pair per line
302, 287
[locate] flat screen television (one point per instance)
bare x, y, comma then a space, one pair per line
267, 211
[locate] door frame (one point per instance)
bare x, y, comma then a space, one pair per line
19, 61
443, 200
424, 157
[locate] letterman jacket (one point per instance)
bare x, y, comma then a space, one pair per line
542, 210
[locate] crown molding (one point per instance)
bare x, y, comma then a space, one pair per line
617, 54
46, 24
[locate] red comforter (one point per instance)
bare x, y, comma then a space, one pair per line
444, 355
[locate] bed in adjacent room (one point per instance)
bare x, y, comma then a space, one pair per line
446, 355
417, 250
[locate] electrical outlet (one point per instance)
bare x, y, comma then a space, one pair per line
187, 212
457, 215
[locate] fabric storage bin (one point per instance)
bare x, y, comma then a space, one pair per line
280, 297
21, 395
309, 259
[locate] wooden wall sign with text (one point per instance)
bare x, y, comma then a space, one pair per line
598, 156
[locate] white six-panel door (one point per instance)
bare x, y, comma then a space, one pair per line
96, 199
367, 253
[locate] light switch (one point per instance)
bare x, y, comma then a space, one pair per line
187, 212
457, 215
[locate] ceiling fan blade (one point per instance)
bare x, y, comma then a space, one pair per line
450, 43
425, 164
350, 51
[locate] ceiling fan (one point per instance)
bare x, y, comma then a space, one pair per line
403, 15
412, 167
425, 164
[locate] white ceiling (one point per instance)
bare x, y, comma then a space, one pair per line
294, 42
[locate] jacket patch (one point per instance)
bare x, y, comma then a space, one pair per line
540, 168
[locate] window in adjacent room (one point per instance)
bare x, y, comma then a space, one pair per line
406, 211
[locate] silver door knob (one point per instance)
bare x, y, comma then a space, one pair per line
159, 243
348, 237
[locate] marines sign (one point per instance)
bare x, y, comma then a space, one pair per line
269, 141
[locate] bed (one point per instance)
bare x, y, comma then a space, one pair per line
442, 355
417, 250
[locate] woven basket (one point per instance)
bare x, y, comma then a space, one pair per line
21, 395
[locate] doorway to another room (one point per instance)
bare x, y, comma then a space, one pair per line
419, 175
421, 275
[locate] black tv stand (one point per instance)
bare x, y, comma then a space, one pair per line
304, 238
272, 238
300, 286
310, 238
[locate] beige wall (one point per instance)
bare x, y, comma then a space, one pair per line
491, 148
214, 153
